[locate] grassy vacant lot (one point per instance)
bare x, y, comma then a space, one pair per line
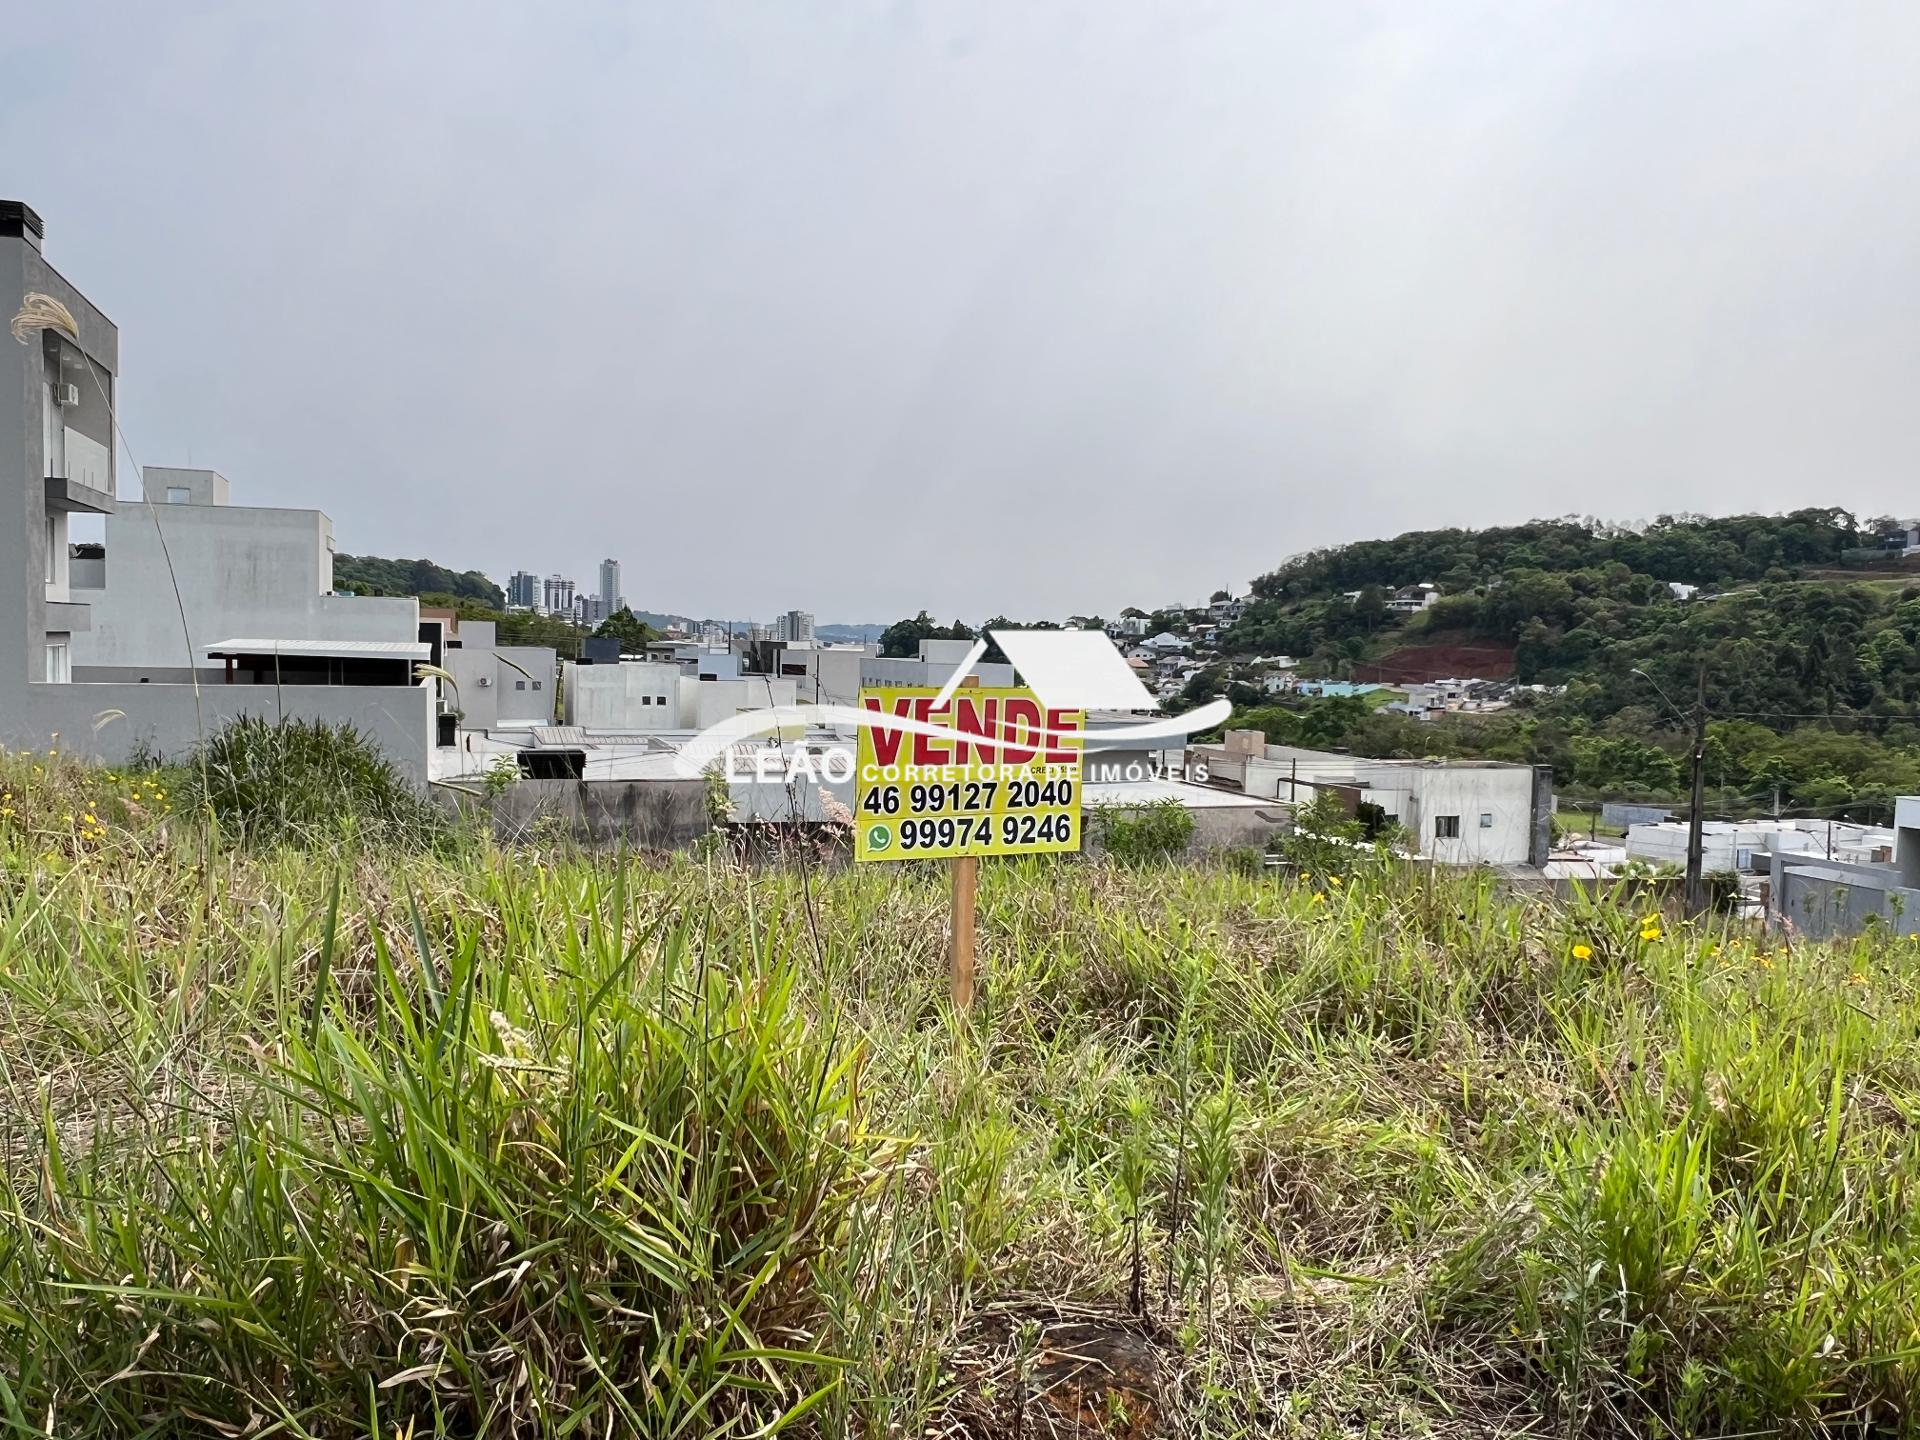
459, 1141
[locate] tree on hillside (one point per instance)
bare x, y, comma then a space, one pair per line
633, 633
903, 637
371, 575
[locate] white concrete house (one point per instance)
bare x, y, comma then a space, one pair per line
240, 569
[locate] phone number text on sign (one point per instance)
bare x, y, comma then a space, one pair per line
1000, 784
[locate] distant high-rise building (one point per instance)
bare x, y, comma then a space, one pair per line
557, 595
523, 590
610, 585
759, 632
591, 609
795, 627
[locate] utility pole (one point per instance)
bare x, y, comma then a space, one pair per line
1696, 894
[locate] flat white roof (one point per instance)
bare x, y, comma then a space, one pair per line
1194, 797
327, 649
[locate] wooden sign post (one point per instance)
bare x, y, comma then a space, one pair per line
966, 878
966, 883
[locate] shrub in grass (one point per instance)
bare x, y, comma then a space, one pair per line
299, 781
1143, 834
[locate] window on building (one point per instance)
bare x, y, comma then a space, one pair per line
646, 700
1446, 827
1486, 820
52, 540
788, 668
536, 684
659, 699
58, 670
519, 684
178, 494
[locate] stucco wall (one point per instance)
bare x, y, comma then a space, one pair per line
106, 722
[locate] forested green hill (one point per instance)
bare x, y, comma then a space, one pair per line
1808, 638
371, 575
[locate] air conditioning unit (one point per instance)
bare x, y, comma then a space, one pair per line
65, 394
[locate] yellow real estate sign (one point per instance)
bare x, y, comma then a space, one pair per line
1003, 780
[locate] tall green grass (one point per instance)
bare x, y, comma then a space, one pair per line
340, 1142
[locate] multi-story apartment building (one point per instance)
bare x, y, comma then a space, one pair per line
56, 453
523, 590
795, 628
610, 597
557, 596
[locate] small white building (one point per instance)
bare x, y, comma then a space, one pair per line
1457, 812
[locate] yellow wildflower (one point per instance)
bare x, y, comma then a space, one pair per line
88, 817
159, 794
1651, 932
1856, 978
1318, 898
1334, 880
1583, 952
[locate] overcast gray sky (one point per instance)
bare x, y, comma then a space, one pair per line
1021, 307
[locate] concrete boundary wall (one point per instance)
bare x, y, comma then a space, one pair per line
639, 814
108, 722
